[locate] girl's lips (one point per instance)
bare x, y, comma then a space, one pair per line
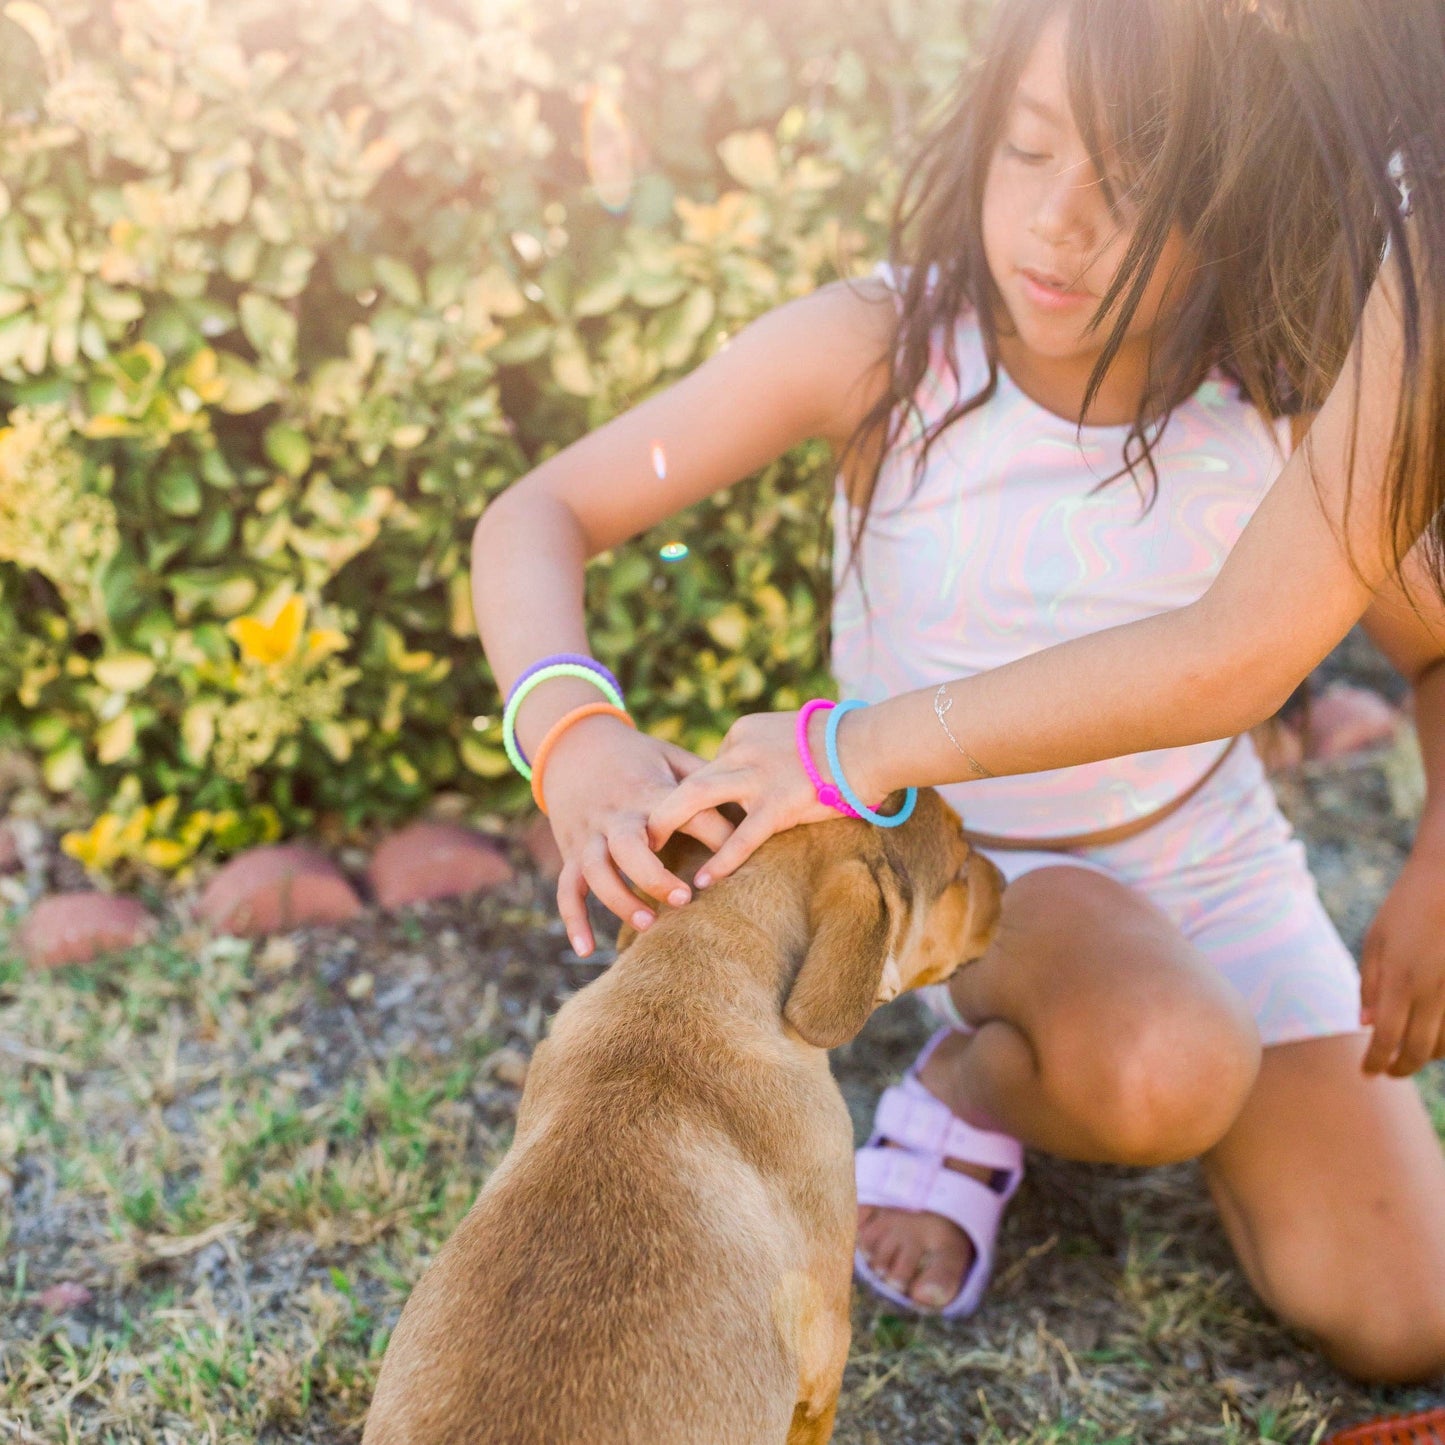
1050, 294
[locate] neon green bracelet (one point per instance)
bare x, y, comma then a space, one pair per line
543, 674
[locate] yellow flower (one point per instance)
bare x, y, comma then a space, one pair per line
270, 642
96, 848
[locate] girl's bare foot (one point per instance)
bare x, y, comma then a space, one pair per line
924, 1256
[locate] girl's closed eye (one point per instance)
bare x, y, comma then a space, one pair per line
1024, 154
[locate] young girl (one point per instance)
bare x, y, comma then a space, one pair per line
1165, 983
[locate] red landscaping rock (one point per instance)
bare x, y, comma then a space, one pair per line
66, 1295
277, 888
1345, 718
541, 846
76, 927
435, 860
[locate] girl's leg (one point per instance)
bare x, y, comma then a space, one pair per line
1101, 1035
1332, 1189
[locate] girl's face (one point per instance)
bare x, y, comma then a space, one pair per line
1052, 242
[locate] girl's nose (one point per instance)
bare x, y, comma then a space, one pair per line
1062, 214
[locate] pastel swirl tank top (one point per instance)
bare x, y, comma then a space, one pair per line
1008, 544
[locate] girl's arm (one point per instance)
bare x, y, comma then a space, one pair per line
1403, 964
809, 369
1302, 573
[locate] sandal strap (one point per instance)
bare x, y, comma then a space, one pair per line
896, 1179
924, 1125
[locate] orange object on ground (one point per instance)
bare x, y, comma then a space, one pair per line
1426, 1428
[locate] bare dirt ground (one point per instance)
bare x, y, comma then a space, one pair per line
235, 1160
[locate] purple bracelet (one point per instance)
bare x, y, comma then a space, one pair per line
577, 659
828, 795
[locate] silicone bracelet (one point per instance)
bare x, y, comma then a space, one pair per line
540, 675
828, 795
544, 748
830, 738
578, 659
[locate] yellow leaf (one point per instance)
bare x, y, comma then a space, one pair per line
95, 848
116, 738
322, 642
198, 731
164, 853
125, 671
751, 158
729, 628
570, 367
335, 738
497, 293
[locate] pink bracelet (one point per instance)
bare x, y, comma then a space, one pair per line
828, 795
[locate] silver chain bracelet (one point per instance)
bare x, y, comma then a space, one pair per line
942, 705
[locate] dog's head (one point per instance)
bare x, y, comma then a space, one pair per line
892, 909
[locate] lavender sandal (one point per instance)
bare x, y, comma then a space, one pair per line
912, 1176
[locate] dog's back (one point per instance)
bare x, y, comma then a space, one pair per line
664, 1257
625, 1246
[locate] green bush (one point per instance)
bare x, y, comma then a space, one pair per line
288, 291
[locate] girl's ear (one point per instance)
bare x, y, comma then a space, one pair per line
842, 976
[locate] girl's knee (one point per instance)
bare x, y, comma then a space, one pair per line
1172, 1082
1381, 1329
1392, 1337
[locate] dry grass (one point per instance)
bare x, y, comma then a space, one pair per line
248, 1155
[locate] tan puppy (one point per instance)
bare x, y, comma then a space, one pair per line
664, 1257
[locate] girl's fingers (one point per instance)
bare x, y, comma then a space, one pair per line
709, 787
572, 905
710, 829
1392, 1012
747, 838
611, 891
683, 763
1369, 979
631, 854
1420, 1035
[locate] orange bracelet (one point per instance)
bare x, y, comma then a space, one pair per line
544, 749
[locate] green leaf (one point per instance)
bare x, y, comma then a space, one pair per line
399, 279
246, 389
270, 328
288, 447
602, 294
526, 345
178, 491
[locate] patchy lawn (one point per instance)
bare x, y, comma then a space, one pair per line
244, 1156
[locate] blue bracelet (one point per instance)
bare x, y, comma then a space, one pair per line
830, 743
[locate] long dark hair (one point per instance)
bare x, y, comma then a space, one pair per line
1148, 83
1278, 134
1366, 76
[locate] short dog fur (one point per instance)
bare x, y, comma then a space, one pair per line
664, 1256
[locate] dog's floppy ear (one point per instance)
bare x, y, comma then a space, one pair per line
842, 974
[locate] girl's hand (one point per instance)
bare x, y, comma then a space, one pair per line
601, 779
1402, 984
758, 768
